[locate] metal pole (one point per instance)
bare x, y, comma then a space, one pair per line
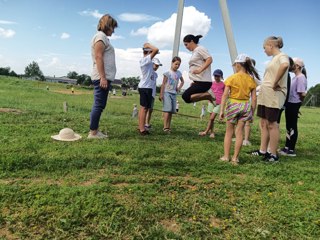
228, 30
177, 33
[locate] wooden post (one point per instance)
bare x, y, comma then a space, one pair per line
65, 106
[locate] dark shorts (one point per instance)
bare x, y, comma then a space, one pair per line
271, 114
145, 97
195, 87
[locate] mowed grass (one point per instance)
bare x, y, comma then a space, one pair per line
144, 187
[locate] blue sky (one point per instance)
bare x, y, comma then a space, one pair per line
57, 33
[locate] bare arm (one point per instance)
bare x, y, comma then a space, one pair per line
180, 84
98, 53
164, 82
206, 64
223, 101
154, 50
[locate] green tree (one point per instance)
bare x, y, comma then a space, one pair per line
4, 71
131, 82
73, 75
84, 79
33, 70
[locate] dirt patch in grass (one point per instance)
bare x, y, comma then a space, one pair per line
215, 222
10, 110
6, 234
76, 92
170, 225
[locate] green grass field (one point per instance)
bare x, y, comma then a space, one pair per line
144, 187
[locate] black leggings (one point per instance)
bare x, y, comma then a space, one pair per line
291, 112
195, 87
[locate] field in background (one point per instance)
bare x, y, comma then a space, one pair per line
144, 187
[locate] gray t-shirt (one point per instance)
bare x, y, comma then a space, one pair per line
199, 55
108, 57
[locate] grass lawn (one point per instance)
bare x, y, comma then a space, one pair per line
144, 187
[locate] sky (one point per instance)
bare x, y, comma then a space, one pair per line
57, 33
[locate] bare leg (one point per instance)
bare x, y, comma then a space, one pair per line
166, 119
264, 134
142, 118
273, 128
200, 96
247, 128
228, 140
148, 117
239, 139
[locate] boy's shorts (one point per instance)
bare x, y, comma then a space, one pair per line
238, 111
169, 102
213, 109
145, 97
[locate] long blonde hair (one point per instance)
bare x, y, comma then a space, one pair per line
107, 22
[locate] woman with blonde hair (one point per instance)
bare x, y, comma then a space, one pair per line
103, 71
272, 95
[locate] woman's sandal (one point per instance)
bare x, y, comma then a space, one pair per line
202, 134
224, 159
235, 162
212, 135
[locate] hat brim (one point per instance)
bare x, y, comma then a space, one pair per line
58, 138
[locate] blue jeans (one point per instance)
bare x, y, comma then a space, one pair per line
99, 104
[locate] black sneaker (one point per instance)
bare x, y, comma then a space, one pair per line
257, 153
272, 159
291, 153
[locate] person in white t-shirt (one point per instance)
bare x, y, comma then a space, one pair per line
103, 71
146, 84
156, 65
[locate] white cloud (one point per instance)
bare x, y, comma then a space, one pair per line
161, 33
115, 37
54, 62
65, 36
94, 13
6, 33
7, 22
140, 32
137, 17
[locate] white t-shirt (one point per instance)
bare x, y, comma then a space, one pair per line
147, 71
199, 55
108, 58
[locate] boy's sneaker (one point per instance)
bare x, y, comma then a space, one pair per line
272, 159
98, 135
291, 153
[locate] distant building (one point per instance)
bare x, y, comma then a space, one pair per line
61, 80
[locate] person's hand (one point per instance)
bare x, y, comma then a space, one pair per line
160, 98
221, 116
196, 71
103, 83
276, 87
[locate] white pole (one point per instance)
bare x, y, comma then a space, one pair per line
228, 30
177, 33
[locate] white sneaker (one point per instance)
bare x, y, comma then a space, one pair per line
98, 135
246, 143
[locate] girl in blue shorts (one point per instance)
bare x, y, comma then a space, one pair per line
236, 106
168, 93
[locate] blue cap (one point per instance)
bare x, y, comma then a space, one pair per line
218, 72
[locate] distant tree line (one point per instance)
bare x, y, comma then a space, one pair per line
313, 96
33, 71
